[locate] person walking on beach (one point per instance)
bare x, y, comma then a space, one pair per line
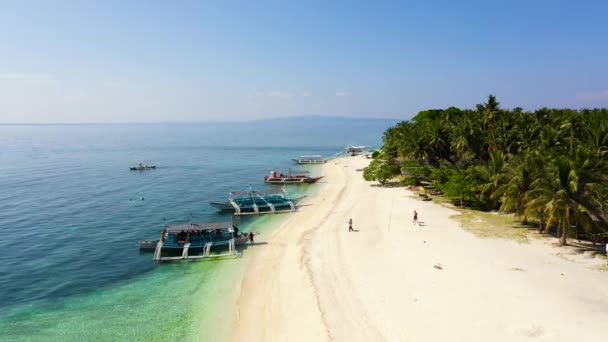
350, 225
415, 218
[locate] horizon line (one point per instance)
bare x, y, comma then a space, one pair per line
196, 121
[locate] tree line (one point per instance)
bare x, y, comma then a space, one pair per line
549, 165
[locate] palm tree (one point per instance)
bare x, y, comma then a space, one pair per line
492, 172
564, 193
597, 125
527, 130
570, 128
461, 131
416, 145
489, 112
437, 141
519, 173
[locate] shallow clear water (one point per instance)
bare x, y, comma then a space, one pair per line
71, 213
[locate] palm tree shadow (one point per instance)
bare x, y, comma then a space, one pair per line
391, 184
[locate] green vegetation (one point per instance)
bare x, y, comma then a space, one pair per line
550, 165
382, 168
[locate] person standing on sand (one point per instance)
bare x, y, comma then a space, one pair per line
350, 225
415, 217
251, 242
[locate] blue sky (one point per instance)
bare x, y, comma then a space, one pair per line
133, 61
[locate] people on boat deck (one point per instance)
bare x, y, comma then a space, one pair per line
185, 235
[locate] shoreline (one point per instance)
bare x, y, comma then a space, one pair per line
284, 251
392, 280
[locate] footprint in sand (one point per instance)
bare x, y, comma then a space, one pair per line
535, 332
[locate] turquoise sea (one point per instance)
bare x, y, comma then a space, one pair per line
71, 213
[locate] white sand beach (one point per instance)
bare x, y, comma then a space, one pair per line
315, 281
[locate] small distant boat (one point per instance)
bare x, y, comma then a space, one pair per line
142, 167
310, 160
257, 202
292, 177
356, 150
195, 241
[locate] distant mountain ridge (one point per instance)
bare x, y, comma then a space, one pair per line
322, 117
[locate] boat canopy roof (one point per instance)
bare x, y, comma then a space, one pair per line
256, 193
198, 226
311, 157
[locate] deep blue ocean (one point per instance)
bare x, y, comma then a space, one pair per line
71, 213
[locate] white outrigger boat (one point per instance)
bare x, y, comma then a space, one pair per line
310, 160
292, 177
195, 241
257, 202
356, 150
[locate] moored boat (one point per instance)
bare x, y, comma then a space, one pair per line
356, 150
292, 177
195, 241
310, 160
257, 202
142, 167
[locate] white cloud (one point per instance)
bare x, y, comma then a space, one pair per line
343, 93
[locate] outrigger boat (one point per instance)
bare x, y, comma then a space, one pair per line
292, 177
310, 160
356, 150
195, 241
257, 202
142, 167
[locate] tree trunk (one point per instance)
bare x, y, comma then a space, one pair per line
562, 238
525, 221
547, 228
492, 147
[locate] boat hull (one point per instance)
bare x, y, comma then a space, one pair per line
304, 162
291, 180
149, 246
142, 168
226, 206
